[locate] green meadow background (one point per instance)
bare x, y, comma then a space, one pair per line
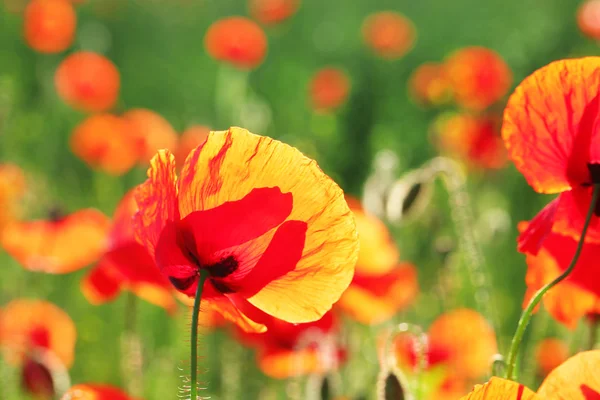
158, 48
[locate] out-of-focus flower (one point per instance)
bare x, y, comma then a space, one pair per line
269, 228
49, 25
95, 392
478, 77
550, 131
238, 41
12, 189
389, 34
126, 265
48, 245
549, 354
429, 85
151, 131
106, 142
40, 338
501, 389
588, 18
472, 139
271, 12
88, 81
191, 138
329, 89
575, 379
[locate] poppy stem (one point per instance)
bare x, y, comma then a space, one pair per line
537, 297
594, 320
194, 339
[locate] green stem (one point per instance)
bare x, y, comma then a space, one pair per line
594, 320
527, 313
194, 340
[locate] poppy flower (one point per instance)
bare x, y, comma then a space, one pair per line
550, 132
474, 139
47, 245
12, 189
127, 265
428, 84
49, 25
151, 131
478, 76
549, 354
106, 142
238, 41
575, 379
95, 392
88, 81
271, 12
389, 34
268, 226
329, 89
501, 389
40, 338
588, 18
191, 138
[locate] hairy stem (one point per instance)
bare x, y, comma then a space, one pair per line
194, 339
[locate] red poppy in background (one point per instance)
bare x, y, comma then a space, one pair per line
151, 131
191, 138
549, 354
49, 25
90, 391
12, 189
588, 18
126, 265
271, 12
88, 81
389, 34
238, 41
267, 225
428, 84
106, 142
550, 132
473, 139
40, 338
48, 245
478, 77
328, 89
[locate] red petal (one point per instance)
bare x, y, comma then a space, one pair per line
571, 212
173, 263
531, 238
101, 284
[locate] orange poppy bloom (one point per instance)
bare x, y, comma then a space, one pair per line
270, 12
389, 34
12, 189
473, 139
106, 142
238, 41
40, 338
575, 379
151, 131
329, 89
191, 138
47, 245
49, 25
95, 392
550, 132
88, 81
478, 76
501, 389
127, 265
429, 85
549, 354
291, 257
588, 18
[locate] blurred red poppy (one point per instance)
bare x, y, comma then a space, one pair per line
95, 392
238, 41
429, 85
191, 138
88, 81
12, 189
270, 12
549, 354
389, 34
478, 77
291, 257
588, 18
127, 265
151, 131
49, 25
550, 132
329, 89
47, 245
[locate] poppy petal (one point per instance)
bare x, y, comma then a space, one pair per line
224, 306
95, 392
501, 389
282, 363
575, 379
535, 232
548, 124
571, 212
101, 284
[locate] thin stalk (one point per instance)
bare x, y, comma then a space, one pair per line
593, 338
194, 339
131, 349
535, 300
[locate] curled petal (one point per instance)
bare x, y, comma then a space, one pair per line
534, 233
571, 212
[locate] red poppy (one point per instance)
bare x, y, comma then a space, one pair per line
550, 132
238, 41
151, 131
291, 257
549, 354
329, 88
191, 138
389, 34
588, 18
270, 12
49, 25
478, 76
429, 85
95, 392
127, 265
88, 81
47, 245
12, 189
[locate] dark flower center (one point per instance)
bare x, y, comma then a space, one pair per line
595, 178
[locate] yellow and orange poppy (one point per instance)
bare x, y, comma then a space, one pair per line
151, 131
191, 138
549, 354
291, 257
12, 189
389, 34
588, 18
95, 392
329, 89
501, 389
271, 12
49, 25
428, 84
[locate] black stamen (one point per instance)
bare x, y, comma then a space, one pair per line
594, 172
221, 286
223, 268
183, 283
